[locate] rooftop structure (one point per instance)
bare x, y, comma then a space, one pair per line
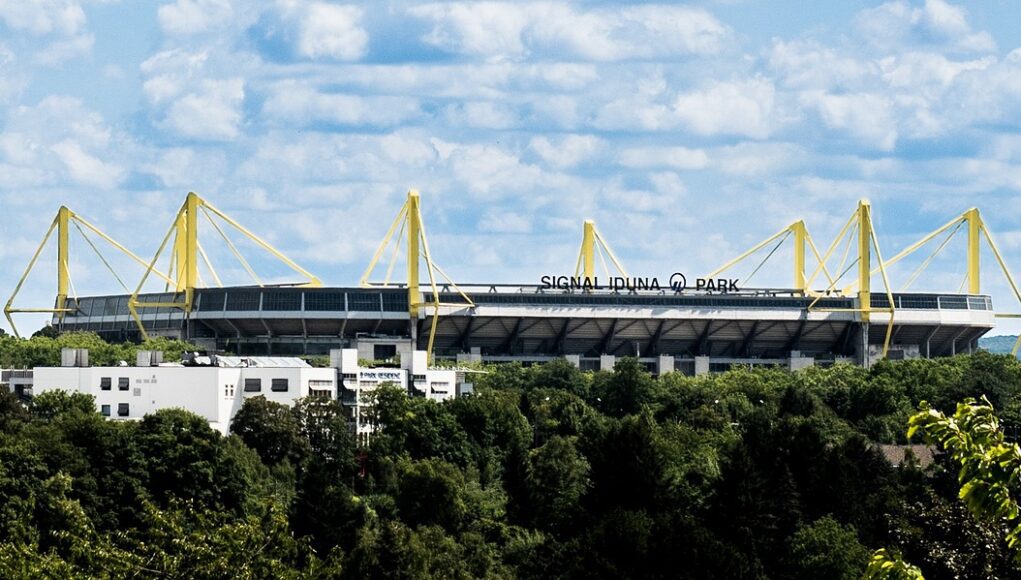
834, 311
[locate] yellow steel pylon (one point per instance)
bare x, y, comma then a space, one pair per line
859, 232
802, 240
62, 223
592, 243
977, 231
409, 219
186, 254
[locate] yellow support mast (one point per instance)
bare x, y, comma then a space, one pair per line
860, 232
865, 259
977, 231
187, 251
974, 250
409, 219
593, 244
61, 224
802, 241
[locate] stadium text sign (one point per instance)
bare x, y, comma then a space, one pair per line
677, 282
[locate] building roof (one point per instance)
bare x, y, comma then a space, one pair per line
261, 361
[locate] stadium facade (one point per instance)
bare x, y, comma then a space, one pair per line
691, 327
764, 327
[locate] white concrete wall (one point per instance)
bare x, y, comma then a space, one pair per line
214, 393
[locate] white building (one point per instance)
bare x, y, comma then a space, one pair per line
17, 381
214, 390
414, 376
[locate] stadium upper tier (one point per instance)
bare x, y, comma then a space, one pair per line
530, 321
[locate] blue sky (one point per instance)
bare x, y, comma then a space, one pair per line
688, 132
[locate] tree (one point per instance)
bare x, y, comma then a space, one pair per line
827, 549
558, 478
431, 492
626, 389
48, 331
272, 430
989, 466
181, 452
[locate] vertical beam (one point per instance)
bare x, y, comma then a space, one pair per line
414, 237
800, 235
974, 237
864, 258
191, 248
588, 246
63, 264
180, 259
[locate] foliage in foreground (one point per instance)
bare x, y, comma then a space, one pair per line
546, 472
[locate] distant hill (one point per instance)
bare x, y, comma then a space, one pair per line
997, 344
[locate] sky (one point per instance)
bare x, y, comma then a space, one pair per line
688, 132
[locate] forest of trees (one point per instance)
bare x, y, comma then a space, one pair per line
546, 472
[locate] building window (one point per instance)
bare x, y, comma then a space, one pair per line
279, 386
349, 376
418, 378
105, 383
105, 410
253, 385
384, 351
123, 383
122, 410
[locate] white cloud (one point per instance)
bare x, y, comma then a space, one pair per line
506, 222
807, 65
568, 151
676, 157
59, 140
61, 21
294, 102
758, 158
482, 114
87, 169
937, 23
169, 72
730, 108
63, 17
501, 30
213, 111
868, 117
186, 17
332, 31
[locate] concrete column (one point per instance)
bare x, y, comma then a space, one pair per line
665, 364
607, 362
574, 359
701, 365
799, 362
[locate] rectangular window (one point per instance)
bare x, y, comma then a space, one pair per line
122, 410
253, 385
384, 351
105, 383
279, 386
123, 383
105, 410
349, 376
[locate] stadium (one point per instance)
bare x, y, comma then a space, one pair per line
670, 326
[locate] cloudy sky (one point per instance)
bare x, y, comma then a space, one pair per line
688, 132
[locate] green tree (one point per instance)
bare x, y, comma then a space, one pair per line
558, 478
827, 549
272, 429
989, 467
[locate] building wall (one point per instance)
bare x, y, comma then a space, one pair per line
214, 393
